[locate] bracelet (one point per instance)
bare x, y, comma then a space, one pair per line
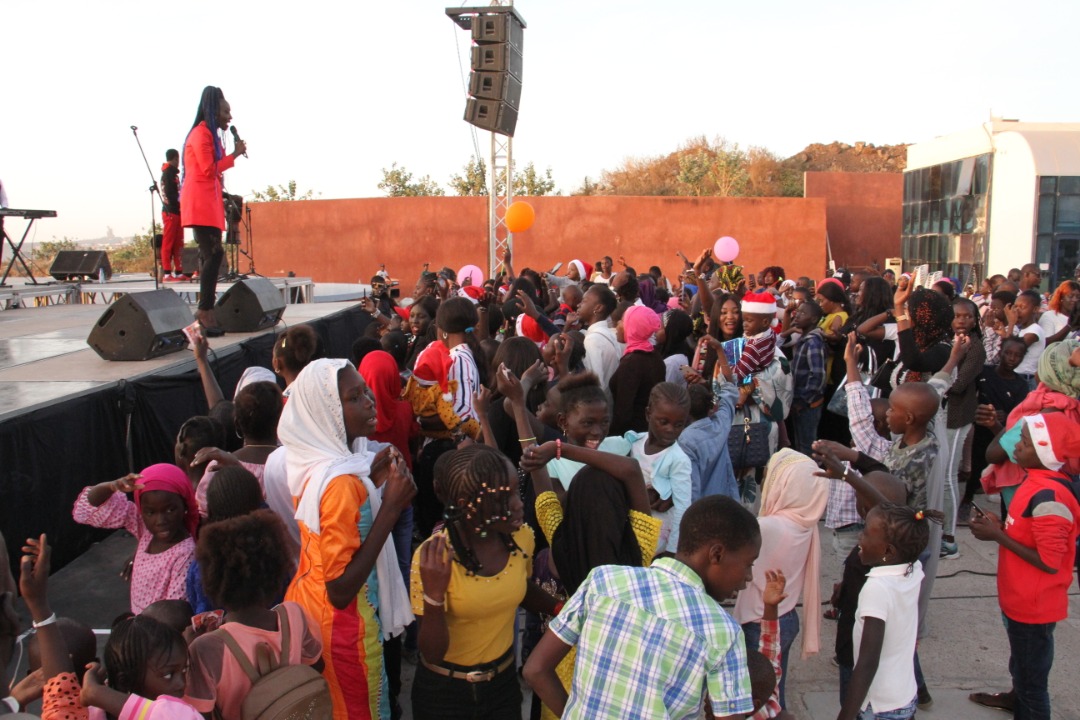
898, 318
526, 440
13, 704
47, 621
430, 601
558, 449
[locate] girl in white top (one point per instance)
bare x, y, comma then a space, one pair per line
887, 620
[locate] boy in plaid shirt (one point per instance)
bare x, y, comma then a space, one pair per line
643, 634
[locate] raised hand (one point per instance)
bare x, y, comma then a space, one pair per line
508, 384
435, 565
127, 484
775, 582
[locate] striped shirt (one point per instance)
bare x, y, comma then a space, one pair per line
651, 643
463, 369
757, 355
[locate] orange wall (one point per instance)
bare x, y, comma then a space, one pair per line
865, 214
346, 240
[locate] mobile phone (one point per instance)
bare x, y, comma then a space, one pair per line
558, 267
978, 510
442, 281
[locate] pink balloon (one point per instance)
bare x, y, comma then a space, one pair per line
473, 272
726, 249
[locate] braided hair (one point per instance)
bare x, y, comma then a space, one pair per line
234, 491
133, 643
474, 484
209, 104
907, 529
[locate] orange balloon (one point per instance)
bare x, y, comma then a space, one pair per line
519, 216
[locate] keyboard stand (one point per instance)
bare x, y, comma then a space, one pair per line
17, 250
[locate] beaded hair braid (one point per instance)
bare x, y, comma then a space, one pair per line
908, 530
475, 485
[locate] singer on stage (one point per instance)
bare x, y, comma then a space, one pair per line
201, 205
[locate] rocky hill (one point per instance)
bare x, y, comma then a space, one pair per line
841, 157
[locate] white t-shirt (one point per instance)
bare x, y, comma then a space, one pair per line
1052, 322
1030, 364
602, 351
891, 594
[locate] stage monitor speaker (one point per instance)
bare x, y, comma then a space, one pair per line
502, 57
141, 326
189, 262
496, 86
250, 305
498, 28
491, 115
80, 264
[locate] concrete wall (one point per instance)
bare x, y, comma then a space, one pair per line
346, 240
865, 214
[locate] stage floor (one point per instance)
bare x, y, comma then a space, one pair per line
44, 357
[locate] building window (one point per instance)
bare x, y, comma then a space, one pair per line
1057, 243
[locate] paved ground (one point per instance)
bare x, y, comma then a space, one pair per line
966, 651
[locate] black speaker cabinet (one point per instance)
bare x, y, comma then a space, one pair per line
189, 262
502, 57
80, 264
141, 326
496, 86
498, 117
250, 305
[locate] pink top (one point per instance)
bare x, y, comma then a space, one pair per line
61, 702
216, 678
158, 576
208, 476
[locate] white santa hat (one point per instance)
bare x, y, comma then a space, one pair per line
1055, 437
759, 303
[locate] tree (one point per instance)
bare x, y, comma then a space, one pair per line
281, 193
530, 182
473, 180
588, 187
398, 182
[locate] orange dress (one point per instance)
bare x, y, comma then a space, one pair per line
352, 650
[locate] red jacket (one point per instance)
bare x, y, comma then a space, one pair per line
1043, 514
200, 193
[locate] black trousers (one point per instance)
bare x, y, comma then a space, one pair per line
436, 697
211, 254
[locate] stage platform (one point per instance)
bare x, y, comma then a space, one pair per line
44, 356
69, 419
21, 293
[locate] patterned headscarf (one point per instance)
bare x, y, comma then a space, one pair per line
1056, 372
931, 317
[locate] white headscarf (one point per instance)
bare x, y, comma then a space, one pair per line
255, 374
312, 428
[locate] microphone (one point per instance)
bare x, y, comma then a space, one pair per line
133, 128
236, 136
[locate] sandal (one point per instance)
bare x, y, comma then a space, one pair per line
997, 701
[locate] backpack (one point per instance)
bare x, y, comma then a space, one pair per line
280, 691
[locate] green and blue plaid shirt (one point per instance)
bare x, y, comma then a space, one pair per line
651, 643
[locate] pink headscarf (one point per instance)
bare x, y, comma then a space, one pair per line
793, 490
639, 325
169, 478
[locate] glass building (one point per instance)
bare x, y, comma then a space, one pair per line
983, 201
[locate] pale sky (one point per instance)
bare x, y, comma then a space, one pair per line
328, 93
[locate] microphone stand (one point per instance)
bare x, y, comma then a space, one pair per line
250, 252
153, 215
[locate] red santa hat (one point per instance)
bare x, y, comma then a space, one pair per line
759, 303
584, 269
1055, 437
527, 327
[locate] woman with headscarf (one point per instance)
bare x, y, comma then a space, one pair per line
793, 499
923, 329
639, 370
350, 497
647, 294
1057, 391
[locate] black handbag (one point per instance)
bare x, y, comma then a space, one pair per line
882, 377
748, 442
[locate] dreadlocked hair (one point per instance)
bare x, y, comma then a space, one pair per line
474, 484
209, 104
133, 644
907, 529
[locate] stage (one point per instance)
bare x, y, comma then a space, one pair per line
70, 419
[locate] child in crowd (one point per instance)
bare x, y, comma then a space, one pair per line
1029, 330
769, 648
163, 518
887, 619
468, 580
808, 367
1035, 563
664, 464
705, 442
654, 642
244, 570
758, 313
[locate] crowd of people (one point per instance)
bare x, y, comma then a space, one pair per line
608, 483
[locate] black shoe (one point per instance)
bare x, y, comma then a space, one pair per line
998, 701
925, 702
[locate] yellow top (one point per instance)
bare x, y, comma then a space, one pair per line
549, 515
480, 610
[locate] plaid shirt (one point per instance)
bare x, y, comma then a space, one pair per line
808, 364
644, 636
769, 646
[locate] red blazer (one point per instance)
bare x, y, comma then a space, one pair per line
200, 193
